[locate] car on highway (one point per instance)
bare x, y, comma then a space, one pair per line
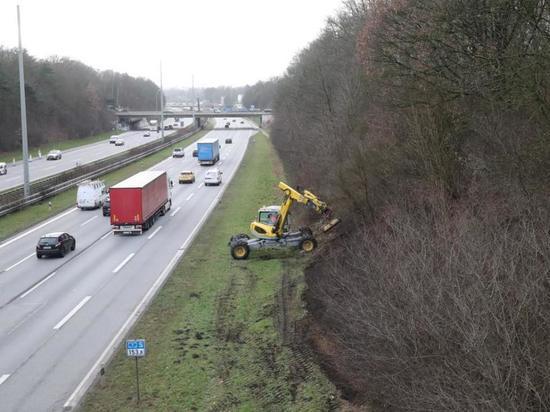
90, 194
3, 168
53, 155
106, 209
242, 121
213, 177
113, 138
233, 120
227, 125
119, 142
186, 176
196, 153
228, 140
146, 134
57, 243
178, 152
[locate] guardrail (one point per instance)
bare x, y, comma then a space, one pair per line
13, 199
235, 128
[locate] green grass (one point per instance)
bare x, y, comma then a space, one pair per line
60, 145
22, 219
220, 331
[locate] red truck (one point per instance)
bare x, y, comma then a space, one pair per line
137, 202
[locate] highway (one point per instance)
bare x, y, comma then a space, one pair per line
40, 168
59, 315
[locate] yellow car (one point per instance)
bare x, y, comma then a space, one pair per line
187, 176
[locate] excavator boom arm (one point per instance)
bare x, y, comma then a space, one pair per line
293, 195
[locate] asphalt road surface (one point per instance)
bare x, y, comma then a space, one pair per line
58, 316
40, 168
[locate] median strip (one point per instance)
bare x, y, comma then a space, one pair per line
130, 256
71, 313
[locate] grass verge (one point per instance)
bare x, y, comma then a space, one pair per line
220, 332
22, 219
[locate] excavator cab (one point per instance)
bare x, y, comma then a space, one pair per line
265, 226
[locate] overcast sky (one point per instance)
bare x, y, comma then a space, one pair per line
221, 42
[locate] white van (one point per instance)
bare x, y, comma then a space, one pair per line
90, 194
213, 177
3, 168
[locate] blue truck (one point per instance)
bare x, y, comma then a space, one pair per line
208, 151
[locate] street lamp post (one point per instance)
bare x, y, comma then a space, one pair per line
25, 144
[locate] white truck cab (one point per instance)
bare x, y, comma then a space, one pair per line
3, 168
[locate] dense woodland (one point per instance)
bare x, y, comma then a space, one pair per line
426, 125
65, 98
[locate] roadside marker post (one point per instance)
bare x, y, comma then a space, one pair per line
136, 348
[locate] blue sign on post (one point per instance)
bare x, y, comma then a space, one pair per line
135, 347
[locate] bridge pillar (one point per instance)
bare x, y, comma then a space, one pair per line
260, 120
198, 121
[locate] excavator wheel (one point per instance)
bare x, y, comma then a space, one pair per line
240, 251
308, 245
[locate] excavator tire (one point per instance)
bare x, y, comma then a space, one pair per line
240, 251
308, 244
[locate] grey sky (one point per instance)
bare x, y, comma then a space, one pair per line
233, 42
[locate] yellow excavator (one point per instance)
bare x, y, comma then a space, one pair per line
271, 230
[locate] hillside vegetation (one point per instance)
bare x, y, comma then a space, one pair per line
425, 124
65, 99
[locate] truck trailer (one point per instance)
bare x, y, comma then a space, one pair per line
208, 151
137, 202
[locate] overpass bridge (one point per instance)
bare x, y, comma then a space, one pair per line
135, 116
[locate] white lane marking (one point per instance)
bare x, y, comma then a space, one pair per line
3, 378
220, 163
37, 285
130, 256
18, 263
190, 196
88, 221
154, 233
175, 211
47, 222
71, 313
201, 185
105, 235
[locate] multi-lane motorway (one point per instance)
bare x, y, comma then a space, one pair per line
60, 317
40, 167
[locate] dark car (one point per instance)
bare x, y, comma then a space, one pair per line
57, 243
107, 206
195, 153
227, 125
228, 140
